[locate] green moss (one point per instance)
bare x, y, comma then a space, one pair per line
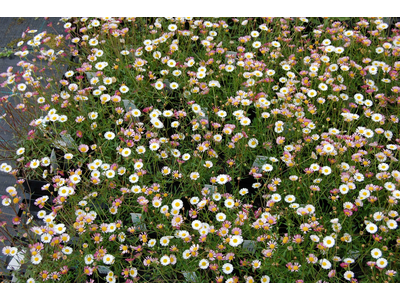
14, 43
52, 43
20, 20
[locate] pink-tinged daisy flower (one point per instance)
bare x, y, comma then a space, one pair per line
298, 239
230, 256
83, 148
211, 255
88, 270
55, 276
177, 220
213, 267
124, 249
312, 259
193, 213
147, 261
391, 273
332, 273
219, 256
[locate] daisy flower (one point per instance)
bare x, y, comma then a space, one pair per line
391, 224
109, 135
20, 151
256, 264
165, 260
159, 85
227, 268
36, 259
329, 242
203, 264
326, 170
220, 217
265, 279
186, 254
177, 204
194, 175
123, 89
348, 275
381, 263
325, 264
222, 179
267, 168
290, 198
253, 143
208, 164
197, 225
372, 228
236, 240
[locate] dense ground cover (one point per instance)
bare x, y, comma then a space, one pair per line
208, 150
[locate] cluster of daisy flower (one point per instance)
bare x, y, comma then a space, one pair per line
212, 150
